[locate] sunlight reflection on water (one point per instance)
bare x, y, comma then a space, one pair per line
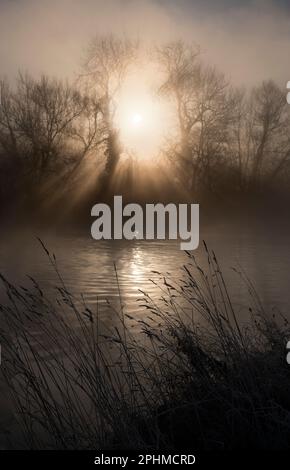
87, 266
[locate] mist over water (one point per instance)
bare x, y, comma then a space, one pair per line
87, 266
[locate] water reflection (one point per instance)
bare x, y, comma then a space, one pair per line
87, 266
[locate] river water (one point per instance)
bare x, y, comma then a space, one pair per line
261, 249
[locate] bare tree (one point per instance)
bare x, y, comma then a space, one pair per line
180, 67
270, 131
44, 111
203, 103
105, 66
260, 140
87, 133
8, 137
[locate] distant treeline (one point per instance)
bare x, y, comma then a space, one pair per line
227, 140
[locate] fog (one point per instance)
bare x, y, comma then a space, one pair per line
249, 42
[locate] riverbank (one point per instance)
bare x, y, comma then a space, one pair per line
210, 384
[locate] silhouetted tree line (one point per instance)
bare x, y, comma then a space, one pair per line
226, 139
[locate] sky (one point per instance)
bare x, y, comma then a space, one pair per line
248, 40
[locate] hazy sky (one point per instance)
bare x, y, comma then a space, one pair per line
249, 40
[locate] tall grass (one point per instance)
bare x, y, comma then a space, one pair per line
194, 377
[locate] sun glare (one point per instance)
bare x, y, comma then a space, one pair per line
137, 119
141, 117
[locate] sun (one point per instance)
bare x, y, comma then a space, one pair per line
141, 117
136, 119
141, 128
